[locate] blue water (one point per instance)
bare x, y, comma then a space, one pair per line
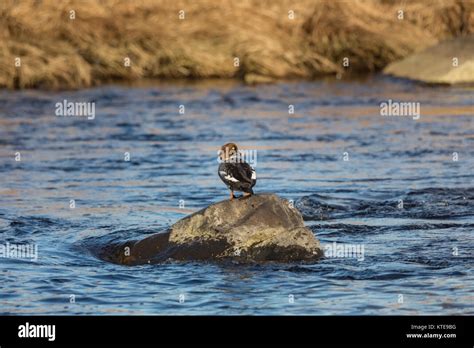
423, 251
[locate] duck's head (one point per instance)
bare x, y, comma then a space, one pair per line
227, 151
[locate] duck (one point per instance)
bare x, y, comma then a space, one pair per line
235, 172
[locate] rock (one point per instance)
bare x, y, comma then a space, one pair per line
435, 64
260, 228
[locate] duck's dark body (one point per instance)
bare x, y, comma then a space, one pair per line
239, 176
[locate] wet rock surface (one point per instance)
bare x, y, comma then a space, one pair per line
262, 227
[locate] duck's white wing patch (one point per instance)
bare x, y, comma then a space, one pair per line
254, 174
231, 178
227, 176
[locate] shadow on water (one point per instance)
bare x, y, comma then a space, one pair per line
426, 203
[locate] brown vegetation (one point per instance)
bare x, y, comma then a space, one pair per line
59, 52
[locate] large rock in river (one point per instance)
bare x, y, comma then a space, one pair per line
435, 64
262, 227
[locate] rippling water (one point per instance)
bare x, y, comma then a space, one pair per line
422, 251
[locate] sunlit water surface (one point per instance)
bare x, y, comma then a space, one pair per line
423, 251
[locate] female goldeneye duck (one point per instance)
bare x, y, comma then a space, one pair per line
235, 172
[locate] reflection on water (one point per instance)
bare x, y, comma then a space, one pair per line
408, 250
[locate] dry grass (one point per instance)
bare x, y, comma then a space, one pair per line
57, 52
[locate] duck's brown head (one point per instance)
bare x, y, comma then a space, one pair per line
227, 151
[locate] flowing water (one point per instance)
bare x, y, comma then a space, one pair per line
400, 188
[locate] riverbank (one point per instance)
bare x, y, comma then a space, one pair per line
75, 44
